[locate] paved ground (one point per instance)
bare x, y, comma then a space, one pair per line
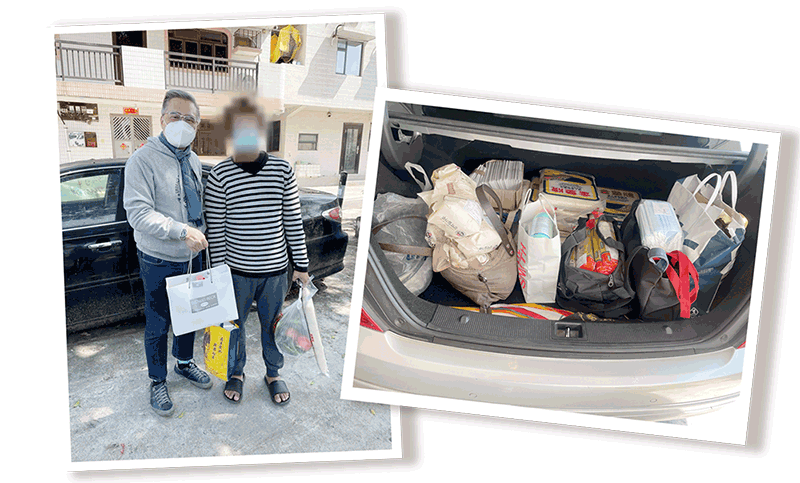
110, 417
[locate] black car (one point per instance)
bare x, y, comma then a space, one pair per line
101, 270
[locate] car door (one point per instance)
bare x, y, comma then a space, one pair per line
95, 243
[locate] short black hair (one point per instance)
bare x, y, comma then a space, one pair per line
178, 94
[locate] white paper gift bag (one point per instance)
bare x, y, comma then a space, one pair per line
711, 248
538, 251
202, 299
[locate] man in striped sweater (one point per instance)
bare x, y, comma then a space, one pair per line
252, 208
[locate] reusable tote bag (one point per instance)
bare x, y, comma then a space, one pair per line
538, 251
713, 231
202, 299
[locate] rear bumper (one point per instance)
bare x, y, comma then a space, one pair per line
647, 389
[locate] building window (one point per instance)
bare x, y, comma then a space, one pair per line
307, 142
133, 38
348, 57
207, 44
274, 138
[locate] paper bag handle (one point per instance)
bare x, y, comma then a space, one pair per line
714, 195
734, 187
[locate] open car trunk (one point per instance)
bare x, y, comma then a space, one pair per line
645, 162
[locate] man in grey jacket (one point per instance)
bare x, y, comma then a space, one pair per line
163, 201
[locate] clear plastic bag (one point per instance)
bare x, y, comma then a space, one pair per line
413, 270
291, 329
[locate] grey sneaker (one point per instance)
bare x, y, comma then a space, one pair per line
195, 375
159, 399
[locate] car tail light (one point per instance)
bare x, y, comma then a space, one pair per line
334, 214
366, 321
742, 346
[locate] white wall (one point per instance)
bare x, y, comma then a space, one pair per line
329, 138
143, 67
105, 38
156, 40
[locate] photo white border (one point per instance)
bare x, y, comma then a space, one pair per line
736, 434
99, 25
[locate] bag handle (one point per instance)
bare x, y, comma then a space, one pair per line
208, 265
411, 167
526, 198
734, 187
680, 281
404, 249
481, 192
717, 189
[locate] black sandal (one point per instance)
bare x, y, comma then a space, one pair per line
236, 385
275, 388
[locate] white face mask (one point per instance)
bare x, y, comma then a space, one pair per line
179, 133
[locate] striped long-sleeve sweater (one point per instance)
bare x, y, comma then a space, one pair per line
254, 220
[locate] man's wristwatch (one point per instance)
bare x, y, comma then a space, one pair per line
183, 234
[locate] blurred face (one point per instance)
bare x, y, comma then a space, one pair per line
247, 136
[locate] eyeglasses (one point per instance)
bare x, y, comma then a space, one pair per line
174, 116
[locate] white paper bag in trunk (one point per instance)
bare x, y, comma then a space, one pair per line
538, 251
200, 300
709, 247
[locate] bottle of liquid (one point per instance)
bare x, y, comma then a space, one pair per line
542, 226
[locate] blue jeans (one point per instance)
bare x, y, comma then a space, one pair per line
268, 294
154, 272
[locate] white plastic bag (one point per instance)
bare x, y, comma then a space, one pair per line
538, 251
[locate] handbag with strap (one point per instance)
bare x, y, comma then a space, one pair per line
666, 284
581, 290
486, 283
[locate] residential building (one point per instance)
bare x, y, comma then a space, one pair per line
318, 91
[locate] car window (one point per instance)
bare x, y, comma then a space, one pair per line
89, 198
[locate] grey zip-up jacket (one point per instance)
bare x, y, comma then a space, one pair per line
154, 201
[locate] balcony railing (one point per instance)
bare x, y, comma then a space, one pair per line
210, 73
247, 38
85, 61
